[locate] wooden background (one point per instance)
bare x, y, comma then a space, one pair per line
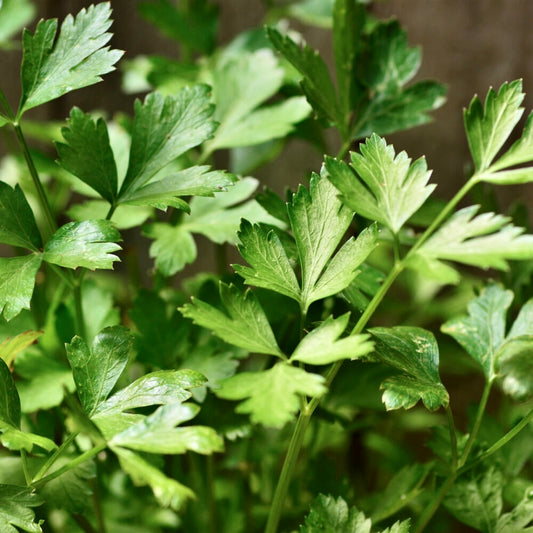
467, 44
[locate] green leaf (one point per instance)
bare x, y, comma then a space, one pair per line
85, 244
485, 241
10, 347
17, 280
163, 129
476, 499
482, 332
11, 436
381, 185
415, 353
197, 181
76, 59
323, 344
14, 15
17, 223
16, 509
157, 433
316, 84
519, 519
270, 266
515, 365
168, 492
272, 397
330, 515
319, 221
124, 217
88, 154
97, 369
156, 388
245, 324
348, 23
489, 126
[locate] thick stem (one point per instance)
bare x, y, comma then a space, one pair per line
286, 472
43, 199
25, 469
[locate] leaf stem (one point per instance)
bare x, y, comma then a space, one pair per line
453, 436
24, 460
43, 200
78, 304
477, 423
53, 458
89, 454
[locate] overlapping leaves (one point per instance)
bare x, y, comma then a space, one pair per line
16, 509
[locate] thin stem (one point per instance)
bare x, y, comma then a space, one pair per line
210, 493
499, 443
84, 524
24, 460
97, 503
287, 471
89, 454
53, 458
78, 304
111, 211
431, 509
477, 423
67, 279
453, 436
344, 149
43, 200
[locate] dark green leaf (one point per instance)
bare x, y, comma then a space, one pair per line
157, 388
163, 129
415, 353
482, 332
85, 244
76, 59
270, 266
97, 369
17, 280
17, 223
489, 126
15, 509
323, 344
273, 204
476, 499
316, 83
272, 397
168, 492
245, 324
88, 154
381, 185
10, 402
157, 433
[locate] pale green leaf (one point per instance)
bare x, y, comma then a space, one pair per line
272, 397
319, 221
17, 223
168, 492
16, 509
156, 388
488, 126
88, 154
394, 189
87, 244
97, 368
124, 217
14, 15
10, 347
197, 181
330, 515
520, 152
270, 266
519, 519
313, 12
415, 353
342, 269
323, 344
163, 129
316, 84
77, 58
485, 240
514, 364
173, 247
482, 332
244, 324
17, 280
476, 499
157, 433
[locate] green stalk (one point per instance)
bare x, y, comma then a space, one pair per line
80, 319
24, 460
431, 509
453, 436
89, 454
43, 199
53, 458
